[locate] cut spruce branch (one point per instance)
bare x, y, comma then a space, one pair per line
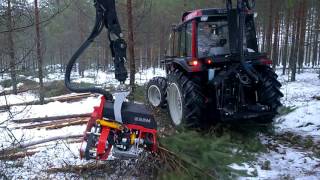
24, 145
176, 162
68, 98
51, 118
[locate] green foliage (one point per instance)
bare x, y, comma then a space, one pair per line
286, 110
213, 152
308, 143
85, 84
290, 3
139, 94
55, 88
6, 83
26, 83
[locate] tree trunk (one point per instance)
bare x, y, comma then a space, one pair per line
275, 51
316, 39
11, 49
296, 42
269, 31
264, 32
106, 53
286, 41
131, 45
310, 37
302, 35
39, 55
82, 61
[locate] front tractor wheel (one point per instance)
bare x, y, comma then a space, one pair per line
185, 100
156, 92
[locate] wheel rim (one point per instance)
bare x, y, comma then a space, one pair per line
154, 95
175, 104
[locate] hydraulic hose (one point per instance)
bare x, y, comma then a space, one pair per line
99, 24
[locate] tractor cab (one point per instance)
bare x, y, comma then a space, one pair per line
215, 71
210, 36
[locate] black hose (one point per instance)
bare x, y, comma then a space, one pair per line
99, 24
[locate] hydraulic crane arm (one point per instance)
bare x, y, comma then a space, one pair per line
106, 16
243, 6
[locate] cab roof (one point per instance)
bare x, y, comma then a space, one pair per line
202, 12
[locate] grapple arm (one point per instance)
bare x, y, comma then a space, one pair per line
118, 45
106, 16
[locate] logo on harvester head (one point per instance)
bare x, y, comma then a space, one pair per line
142, 119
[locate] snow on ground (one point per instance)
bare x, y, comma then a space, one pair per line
286, 162
5, 76
305, 120
34, 167
20, 98
53, 154
47, 110
300, 92
53, 109
10, 88
290, 163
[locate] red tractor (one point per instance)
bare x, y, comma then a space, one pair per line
215, 71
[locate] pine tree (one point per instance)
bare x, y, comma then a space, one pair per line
39, 54
131, 45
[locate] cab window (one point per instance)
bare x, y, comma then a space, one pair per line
185, 40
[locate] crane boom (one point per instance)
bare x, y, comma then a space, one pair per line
106, 16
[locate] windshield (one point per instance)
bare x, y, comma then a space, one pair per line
213, 38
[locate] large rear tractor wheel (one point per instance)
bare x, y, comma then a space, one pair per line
185, 100
156, 92
269, 92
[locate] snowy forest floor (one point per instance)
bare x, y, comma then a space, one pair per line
290, 146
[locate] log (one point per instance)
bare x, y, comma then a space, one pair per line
76, 141
74, 123
52, 118
48, 124
70, 98
18, 155
77, 168
42, 141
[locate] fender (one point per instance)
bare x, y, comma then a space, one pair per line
183, 64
